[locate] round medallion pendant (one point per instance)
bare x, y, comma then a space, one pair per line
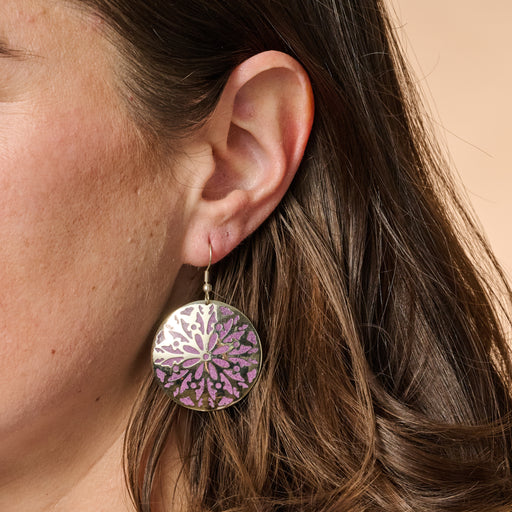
207, 356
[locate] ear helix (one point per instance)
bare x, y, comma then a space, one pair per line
207, 354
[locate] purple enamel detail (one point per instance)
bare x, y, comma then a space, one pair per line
200, 390
242, 350
177, 376
234, 336
211, 322
227, 384
251, 375
226, 328
221, 363
190, 362
186, 328
211, 389
199, 372
212, 370
166, 362
234, 376
200, 321
221, 350
199, 341
212, 341
185, 383
225, 401
206, 356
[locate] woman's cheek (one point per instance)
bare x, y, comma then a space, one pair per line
73, 257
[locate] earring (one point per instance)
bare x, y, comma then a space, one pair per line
206, 354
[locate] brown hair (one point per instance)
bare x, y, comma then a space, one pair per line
386, 382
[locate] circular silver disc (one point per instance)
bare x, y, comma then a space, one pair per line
206, 356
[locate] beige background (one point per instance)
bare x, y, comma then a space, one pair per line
461, 51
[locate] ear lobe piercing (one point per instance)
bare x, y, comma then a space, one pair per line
207, 354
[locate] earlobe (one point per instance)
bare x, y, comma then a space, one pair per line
257, 136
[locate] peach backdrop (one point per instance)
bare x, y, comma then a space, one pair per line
461, 53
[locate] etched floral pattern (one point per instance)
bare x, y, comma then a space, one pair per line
207, 356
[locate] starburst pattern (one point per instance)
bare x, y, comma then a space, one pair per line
207, 356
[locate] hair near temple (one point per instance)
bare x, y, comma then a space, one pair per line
386, 377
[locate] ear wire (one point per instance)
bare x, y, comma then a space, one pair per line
207, 287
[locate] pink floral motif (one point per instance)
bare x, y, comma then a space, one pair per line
207, 356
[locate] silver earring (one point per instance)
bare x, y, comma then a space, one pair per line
207, 354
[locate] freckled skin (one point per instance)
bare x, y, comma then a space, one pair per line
90, 234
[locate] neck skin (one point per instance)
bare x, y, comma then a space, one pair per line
72, 458
75, 461
72, 461
69, 455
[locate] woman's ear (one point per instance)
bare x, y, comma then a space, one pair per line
247, 154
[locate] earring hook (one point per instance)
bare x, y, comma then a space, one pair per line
207, 287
